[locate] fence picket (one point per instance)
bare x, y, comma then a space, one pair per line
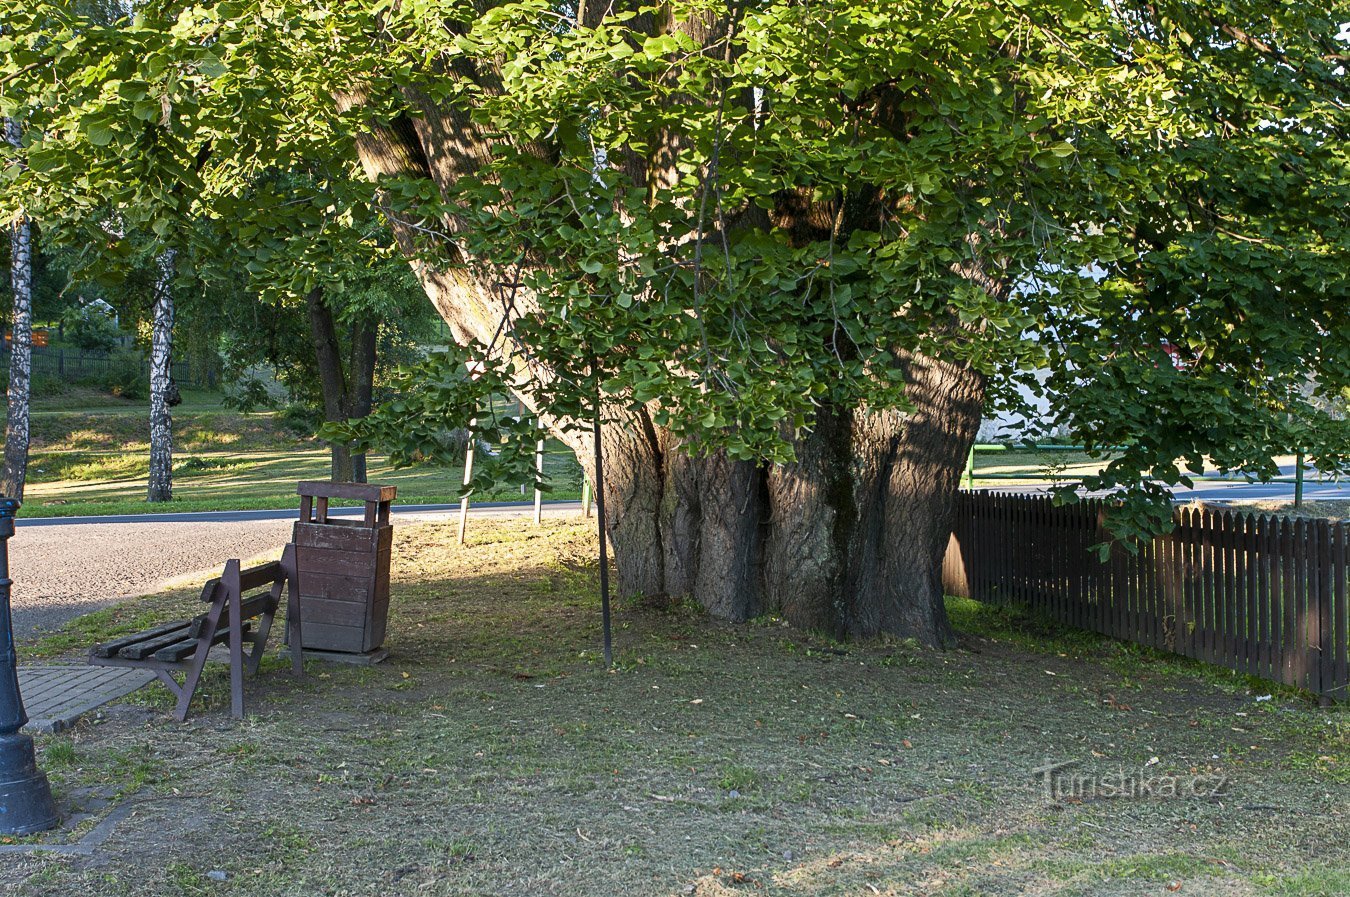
1340, 679
1322, 612
1258, 594
1250, 562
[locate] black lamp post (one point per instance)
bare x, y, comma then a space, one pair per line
25, 797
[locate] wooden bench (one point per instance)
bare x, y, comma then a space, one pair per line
230, 620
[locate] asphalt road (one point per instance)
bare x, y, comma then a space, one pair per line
66, 566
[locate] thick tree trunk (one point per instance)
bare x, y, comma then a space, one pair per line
364, 339
347, 389
21, 347
161, 372
847, 540
895, 582
332, 380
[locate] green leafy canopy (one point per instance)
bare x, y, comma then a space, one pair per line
1135, 210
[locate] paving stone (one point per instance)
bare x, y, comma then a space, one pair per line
55, 695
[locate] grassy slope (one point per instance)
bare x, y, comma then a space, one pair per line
493, 755
90, 455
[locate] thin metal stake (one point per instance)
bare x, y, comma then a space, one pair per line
538, 475
468, 478
600, 517
1298, 480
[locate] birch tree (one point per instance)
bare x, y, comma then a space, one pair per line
161, 378
21, 344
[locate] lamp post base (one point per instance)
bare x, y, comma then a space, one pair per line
26, 804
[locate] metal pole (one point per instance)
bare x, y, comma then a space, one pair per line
25, 797
600, 517
1298, 480
468, 478
585, 496
970, 469
538, 475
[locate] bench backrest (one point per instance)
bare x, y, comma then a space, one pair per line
271, 574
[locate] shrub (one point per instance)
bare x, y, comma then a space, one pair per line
46, 386
90, 329
247, 395
301, 419
126, 376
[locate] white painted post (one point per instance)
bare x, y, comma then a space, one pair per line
468, 478
539, 472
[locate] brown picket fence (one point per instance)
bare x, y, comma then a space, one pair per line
1259, 594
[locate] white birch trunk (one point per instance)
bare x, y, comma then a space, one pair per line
161, 360
21, 348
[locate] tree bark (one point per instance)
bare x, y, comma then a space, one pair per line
364, 341
347, 389
161, 372
21, 346
847, 540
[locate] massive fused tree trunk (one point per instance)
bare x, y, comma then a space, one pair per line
347, 388
847, 540
21, 346
161, 378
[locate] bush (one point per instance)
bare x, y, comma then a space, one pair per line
126, 377
247, 395
301, 419
41, 386
46, 386
90, 329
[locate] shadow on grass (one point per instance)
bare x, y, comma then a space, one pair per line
493, 753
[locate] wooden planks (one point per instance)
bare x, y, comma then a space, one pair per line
1261, 595
343, 569
351, 491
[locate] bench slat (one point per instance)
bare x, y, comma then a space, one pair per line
110, 649
143, 649
253, 606
178, 651
262, 575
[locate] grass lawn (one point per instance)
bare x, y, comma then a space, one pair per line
493, 754
1023, 466
1017, 467
94, 459
1336, 510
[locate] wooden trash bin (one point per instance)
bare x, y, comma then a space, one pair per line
342, 568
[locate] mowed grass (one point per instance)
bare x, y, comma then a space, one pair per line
95, 460
1025, 466
494, 754
1015, 467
